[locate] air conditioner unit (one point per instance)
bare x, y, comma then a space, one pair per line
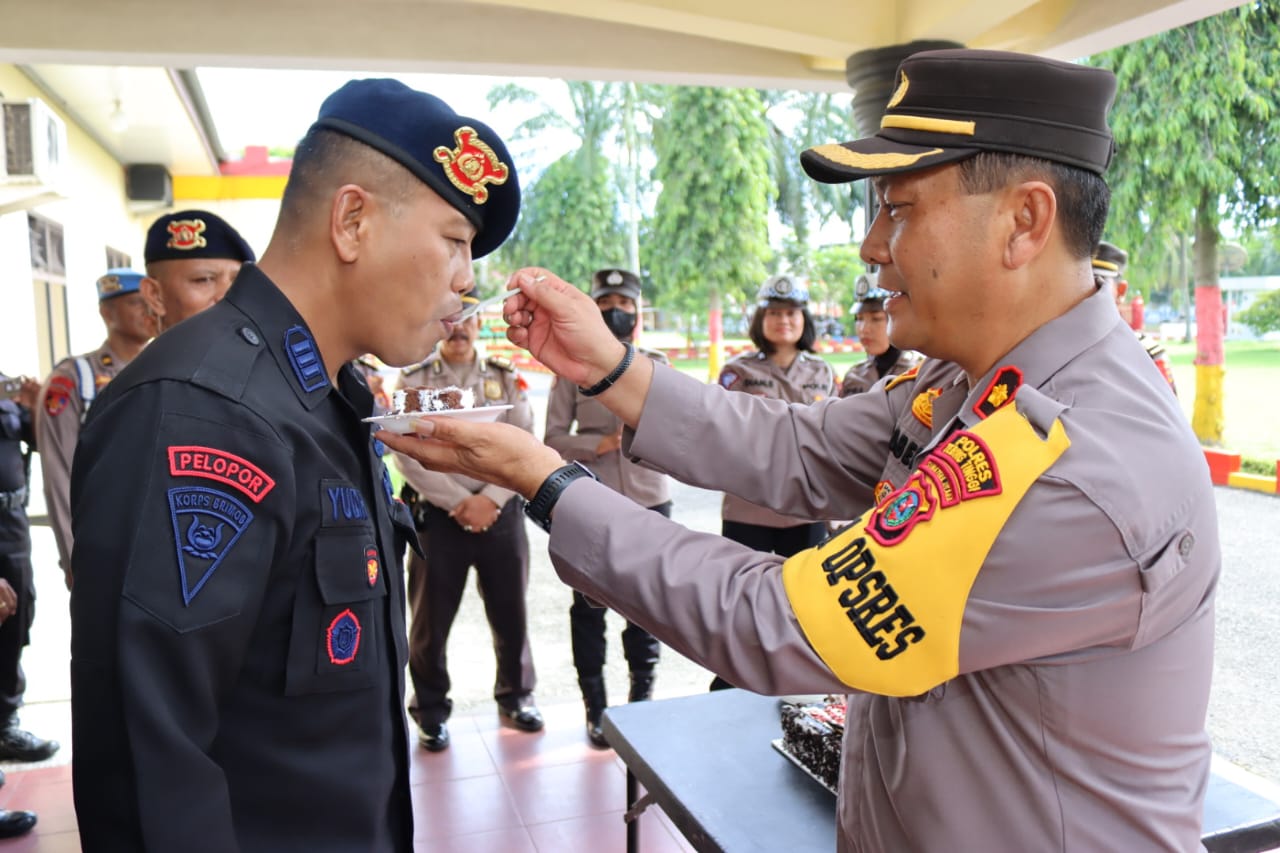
35, 143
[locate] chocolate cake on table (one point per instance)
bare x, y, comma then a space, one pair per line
811, 737
426, 400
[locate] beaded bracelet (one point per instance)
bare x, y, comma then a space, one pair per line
607, 383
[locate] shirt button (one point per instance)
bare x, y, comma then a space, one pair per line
249, 335
1186, 543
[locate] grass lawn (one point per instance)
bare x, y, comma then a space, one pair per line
1251, 391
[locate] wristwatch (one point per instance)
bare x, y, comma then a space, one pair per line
539, 509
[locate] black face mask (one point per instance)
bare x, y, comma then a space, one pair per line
621, 323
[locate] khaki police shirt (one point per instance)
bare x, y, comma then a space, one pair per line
1082, 649
807, 380
60, 412
863, 375
495, 382
575, 426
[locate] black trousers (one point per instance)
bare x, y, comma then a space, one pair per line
501, 560
783, 541
587, 633
15, 632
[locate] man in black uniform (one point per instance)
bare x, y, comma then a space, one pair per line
238, 637
17, 593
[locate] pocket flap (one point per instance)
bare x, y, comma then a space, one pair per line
349, 566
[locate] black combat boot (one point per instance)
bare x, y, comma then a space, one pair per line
641, 686
595, 700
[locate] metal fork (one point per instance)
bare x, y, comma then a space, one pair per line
470, 310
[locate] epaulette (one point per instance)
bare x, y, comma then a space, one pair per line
901, 378
501, 362
414, 368
655, 354
365, 363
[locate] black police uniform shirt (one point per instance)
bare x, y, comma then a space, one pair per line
15, 428
238, 634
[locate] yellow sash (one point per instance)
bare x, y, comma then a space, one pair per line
882, 602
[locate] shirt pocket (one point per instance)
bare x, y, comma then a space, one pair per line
337, 637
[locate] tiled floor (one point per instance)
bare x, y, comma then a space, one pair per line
495, 790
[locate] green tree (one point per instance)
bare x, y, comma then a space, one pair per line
569, 219
836, 269
1195, 122
710, 228
1263, 315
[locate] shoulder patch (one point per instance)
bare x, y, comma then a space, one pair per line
901, 378
213, 464
413, 368
58, 395
727, 378
206, 524
501, 362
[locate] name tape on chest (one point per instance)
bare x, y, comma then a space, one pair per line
883, 601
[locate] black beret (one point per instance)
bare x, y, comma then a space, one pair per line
608, 281
460, 158
194, 234
1110, 260
951, 104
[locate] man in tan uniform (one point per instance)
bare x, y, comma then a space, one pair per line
583, 429
1022, 617
1109, 263
72, 387
872, 324
463, 522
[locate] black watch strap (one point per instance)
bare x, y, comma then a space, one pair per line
539, 509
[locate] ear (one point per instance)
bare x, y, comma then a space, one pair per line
1035, 210
348, 221
150, 290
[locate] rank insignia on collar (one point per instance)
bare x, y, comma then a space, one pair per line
342, 639
206, 524
371, 564
922, 406
186, 234
1004, 386
471, 165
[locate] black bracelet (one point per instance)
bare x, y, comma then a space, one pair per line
539, 509
607, 383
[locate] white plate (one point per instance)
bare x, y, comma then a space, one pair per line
404, 423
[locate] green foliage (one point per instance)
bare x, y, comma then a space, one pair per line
569, 214
835, 271
1263, 315
1265, 467
710, 229
1195, 119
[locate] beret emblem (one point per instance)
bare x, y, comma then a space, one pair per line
471, 165
186, 234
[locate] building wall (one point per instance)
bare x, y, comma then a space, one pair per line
94, 214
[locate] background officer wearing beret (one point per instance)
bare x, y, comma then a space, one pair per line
1109, 263
237, 621
74, 384
192, 257
582, 429
1022, 617
872, 325
17, 591
466, 523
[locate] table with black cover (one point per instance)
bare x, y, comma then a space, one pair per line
707, 760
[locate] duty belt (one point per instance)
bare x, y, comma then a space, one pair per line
13, 500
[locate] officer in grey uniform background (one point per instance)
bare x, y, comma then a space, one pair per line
70, 390
1022, 616
467, 523
1109, 263
582, 429
872, 326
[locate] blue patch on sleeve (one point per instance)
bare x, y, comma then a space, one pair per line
342, 640
206, 524
305, 359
